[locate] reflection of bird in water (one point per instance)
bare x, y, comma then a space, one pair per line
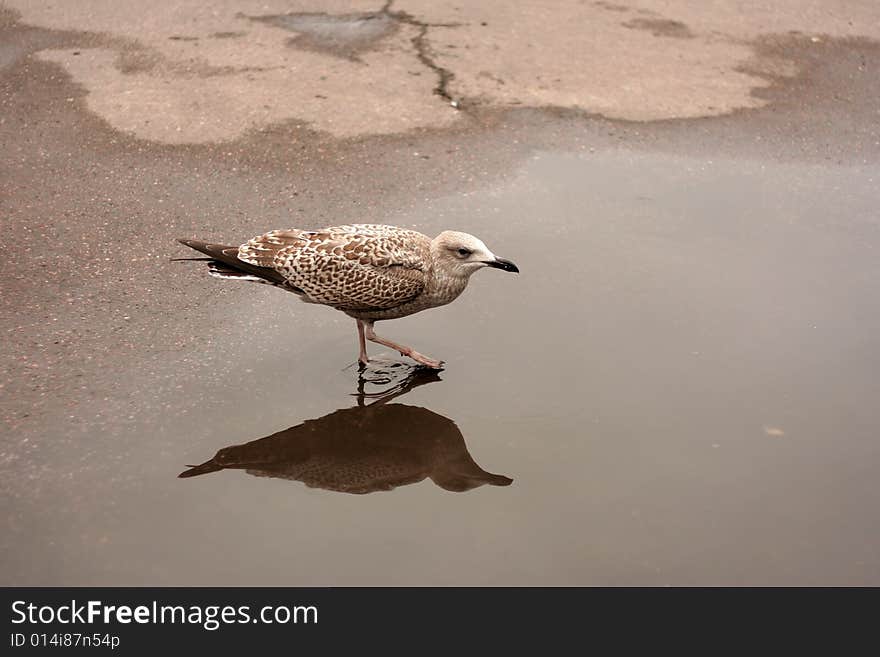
364, 449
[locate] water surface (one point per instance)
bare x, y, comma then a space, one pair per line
681, 384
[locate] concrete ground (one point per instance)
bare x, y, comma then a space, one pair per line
122, 129
206, 72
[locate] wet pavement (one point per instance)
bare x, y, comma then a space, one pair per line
679, 388
681, 384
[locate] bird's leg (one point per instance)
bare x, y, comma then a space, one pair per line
404, 351
363, 359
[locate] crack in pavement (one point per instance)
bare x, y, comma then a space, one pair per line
314, 35
423, 49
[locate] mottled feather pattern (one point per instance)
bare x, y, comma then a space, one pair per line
261, 250
357, 267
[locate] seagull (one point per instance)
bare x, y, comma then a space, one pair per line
370, 272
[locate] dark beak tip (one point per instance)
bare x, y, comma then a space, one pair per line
506, 265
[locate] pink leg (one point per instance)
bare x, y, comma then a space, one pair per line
404, 351
363, 359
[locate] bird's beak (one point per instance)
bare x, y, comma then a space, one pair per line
501, 263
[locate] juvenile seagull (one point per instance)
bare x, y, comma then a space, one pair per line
369, 272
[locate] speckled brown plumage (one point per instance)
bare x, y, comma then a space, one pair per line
368, 271
359, 268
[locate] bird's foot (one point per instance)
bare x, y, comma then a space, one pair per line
424, 360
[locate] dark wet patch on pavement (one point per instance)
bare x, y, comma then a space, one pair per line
682, 383
662, 27
340, 35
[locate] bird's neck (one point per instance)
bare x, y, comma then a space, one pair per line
443, 284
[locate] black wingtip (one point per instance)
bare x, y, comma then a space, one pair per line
213, 250
228, 255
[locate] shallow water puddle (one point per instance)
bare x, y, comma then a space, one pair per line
681, 384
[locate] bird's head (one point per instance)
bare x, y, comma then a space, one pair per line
460, 254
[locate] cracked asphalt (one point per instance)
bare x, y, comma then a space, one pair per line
206, 72
599, 125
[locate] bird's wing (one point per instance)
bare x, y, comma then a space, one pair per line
358, 267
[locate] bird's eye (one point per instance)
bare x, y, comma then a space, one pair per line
464, 252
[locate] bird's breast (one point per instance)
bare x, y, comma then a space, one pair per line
438, 292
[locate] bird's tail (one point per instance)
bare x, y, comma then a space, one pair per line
218, 269
223, 262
